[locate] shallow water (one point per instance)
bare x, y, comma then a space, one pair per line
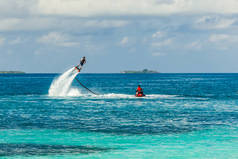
182, 116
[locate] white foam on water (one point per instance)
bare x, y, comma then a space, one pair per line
74, 92
61, 86
126, 96
152, 96
114, 95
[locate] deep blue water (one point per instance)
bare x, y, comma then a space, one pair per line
182, 116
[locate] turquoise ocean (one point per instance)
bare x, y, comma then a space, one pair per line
183, 116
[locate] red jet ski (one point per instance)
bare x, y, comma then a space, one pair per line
140, 95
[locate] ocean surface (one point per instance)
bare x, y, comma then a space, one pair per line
183, 116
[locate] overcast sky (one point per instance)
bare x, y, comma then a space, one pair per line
164, 35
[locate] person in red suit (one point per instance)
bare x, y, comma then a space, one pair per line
139, 91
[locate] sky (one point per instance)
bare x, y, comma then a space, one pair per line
170, 36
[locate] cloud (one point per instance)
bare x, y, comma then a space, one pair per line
214, 22
34, 24
87, 8
58, 39
158, 54
16, 8
2, 40
162, 43
105, 23
219, 37
28, 24
18, 40
194, 45
9, 23
124, 40
223, 41
17, 15
158, 34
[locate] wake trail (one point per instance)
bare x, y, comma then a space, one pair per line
128, 96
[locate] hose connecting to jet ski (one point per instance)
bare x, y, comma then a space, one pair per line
82, 62
85, 87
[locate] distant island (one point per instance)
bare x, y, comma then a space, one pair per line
11, 72
143, 71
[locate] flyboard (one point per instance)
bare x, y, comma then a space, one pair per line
79, 69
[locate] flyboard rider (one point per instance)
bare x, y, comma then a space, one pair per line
82, 62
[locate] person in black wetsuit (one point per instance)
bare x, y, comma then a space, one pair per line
82, 62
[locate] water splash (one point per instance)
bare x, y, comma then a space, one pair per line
61, 86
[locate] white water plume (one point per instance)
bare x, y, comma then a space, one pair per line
61, 86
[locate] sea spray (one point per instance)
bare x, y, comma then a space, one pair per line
61, 86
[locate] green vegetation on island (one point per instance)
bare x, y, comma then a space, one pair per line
11, 72
143, 71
